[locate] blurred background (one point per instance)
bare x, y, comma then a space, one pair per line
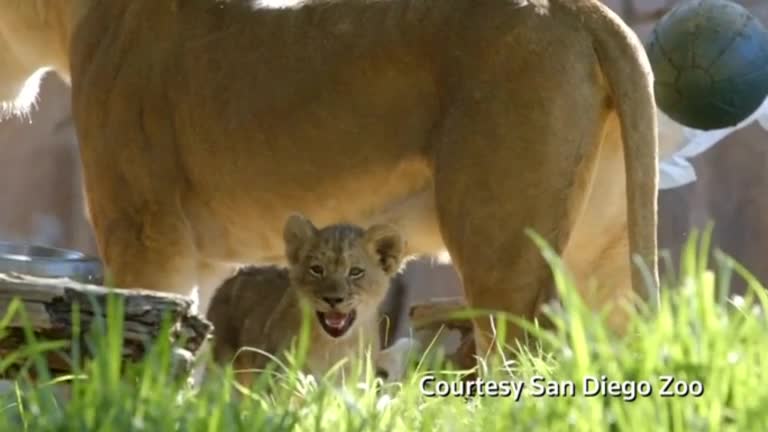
41, 199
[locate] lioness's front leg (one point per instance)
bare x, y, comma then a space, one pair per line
210, 275
153, 251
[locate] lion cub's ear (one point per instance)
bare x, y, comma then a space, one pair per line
385, 243
297, 232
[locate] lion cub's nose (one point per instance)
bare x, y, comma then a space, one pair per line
333, 301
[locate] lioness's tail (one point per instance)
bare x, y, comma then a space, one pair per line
628, 73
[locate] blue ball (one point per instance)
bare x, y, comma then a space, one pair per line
710, 63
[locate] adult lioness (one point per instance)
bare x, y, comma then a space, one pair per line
202, 123
341, 271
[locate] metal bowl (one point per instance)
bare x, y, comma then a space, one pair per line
44, 261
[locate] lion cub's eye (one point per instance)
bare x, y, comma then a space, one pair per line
316, 270
356, 272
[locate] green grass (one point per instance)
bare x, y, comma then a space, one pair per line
695, 334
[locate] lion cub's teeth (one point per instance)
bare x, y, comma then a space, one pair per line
335, 319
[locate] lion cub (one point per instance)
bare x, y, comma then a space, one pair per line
341, 271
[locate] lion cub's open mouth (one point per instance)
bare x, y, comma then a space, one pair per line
336, 323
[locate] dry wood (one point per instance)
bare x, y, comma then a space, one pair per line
430, 316
48, 305
438, 312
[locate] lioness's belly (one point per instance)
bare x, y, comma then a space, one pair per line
247, 227
328, 112
343, 139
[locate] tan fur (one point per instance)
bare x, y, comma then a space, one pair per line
260, 307
204, 123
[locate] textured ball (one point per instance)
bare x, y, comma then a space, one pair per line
710, 63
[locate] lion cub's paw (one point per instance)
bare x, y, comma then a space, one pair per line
392, 363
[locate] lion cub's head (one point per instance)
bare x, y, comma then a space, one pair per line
343, 270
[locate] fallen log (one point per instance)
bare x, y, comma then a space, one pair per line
48, 305
429, 318
440, 312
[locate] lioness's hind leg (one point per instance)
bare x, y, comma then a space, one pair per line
499, 172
